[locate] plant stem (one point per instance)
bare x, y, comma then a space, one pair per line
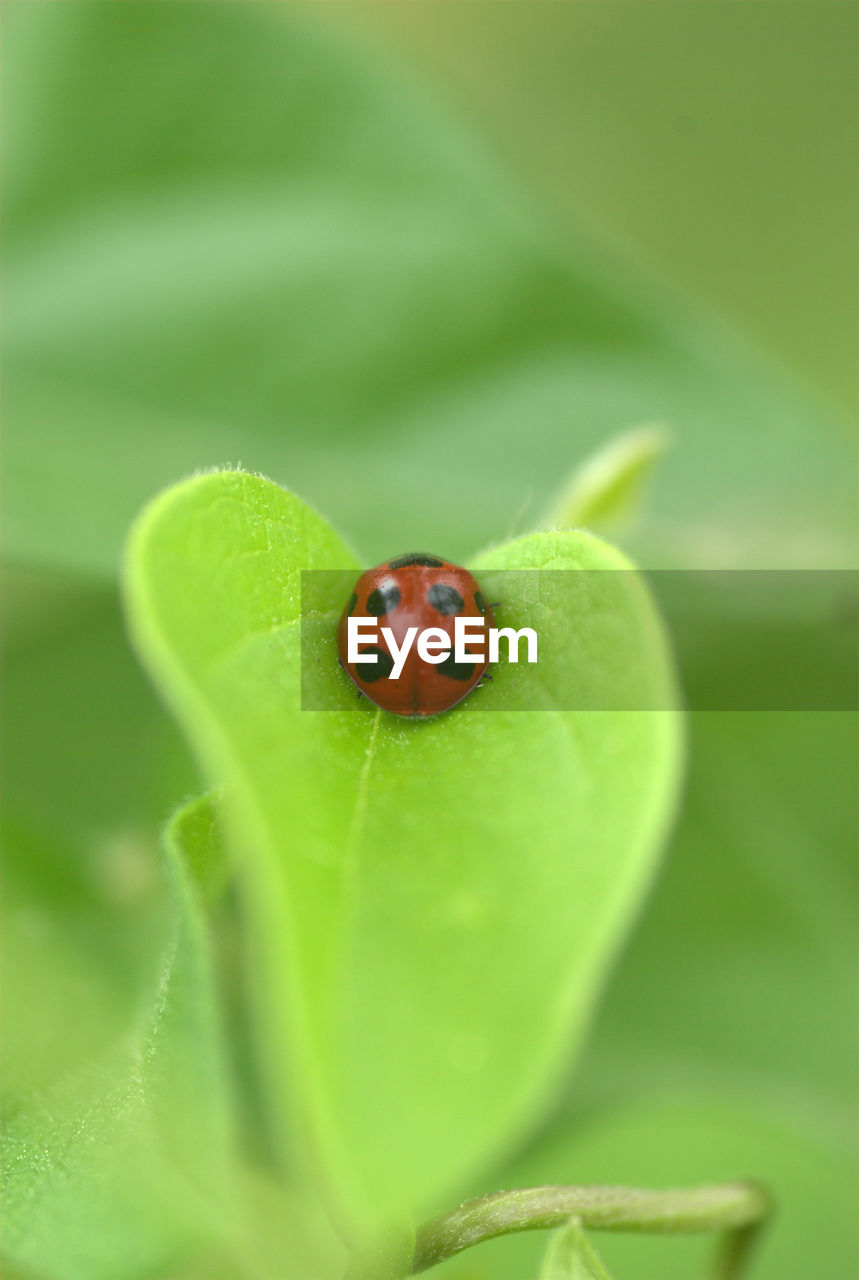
734, 1250
737, 1208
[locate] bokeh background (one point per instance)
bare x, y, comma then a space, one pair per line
417, 262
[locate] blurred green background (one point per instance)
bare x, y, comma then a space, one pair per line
715, 145
417, 262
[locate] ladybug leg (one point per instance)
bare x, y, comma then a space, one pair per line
496, 605
360, 692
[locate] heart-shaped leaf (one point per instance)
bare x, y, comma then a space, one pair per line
434, 903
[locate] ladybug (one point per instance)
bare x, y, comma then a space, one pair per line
415, 591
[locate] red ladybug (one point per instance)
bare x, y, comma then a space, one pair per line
421, 591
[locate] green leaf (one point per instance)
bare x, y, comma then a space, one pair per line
605, 491
742, 1057
280, 1227
116, 1154
434, 903
723, 1048
570, 1256
366, 305
197, 830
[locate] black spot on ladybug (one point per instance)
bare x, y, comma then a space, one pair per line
416, 557
444, 598
384, 599
370, 672
353, 600
479, 601
456, 670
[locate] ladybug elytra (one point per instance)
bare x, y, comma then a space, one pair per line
407, 596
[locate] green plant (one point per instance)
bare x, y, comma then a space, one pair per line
395, 872
428, 907
191, 280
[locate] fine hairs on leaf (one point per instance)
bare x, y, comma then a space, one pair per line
369, 920
122, 1161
